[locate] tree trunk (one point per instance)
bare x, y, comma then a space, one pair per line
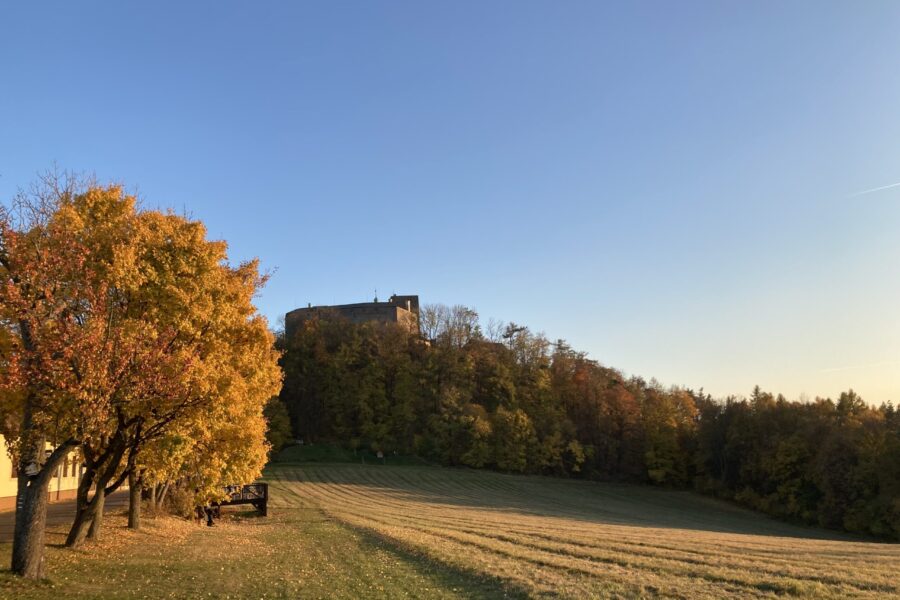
31, 507
79, 529
89, 514
134, 500
162, 496
97, 521
28, 536
31, 490
83, 513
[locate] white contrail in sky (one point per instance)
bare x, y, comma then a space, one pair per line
878, 189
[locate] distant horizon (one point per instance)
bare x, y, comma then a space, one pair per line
701, 194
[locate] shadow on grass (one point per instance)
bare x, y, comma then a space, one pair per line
607, 503
240, 516
328, 453
477, 584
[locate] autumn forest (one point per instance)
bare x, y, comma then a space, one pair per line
504, 398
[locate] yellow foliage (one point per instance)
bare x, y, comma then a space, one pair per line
137, 326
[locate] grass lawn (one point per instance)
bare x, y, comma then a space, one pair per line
294, 553
348, 530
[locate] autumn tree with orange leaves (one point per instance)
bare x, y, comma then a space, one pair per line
123, 326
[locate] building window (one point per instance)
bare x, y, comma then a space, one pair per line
66, 466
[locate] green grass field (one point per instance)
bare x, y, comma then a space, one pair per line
346, 530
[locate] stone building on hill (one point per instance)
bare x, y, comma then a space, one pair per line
398, 309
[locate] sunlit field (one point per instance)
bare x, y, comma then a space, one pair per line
544, 536
293, 553
338, 530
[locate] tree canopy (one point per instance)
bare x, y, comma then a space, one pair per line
502, 397
123, 330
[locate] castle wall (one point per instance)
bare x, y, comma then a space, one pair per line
393, 311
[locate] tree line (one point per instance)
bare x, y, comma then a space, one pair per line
501, 397
128, 338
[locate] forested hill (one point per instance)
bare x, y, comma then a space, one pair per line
510, 400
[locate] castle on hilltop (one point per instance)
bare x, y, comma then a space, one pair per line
398, 309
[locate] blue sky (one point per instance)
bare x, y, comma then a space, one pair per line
668, 186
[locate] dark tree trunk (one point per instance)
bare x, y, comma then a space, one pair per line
83, 514
134, 500
89, 514
28, 536
31, 508
97, 520
31, 511
84, 518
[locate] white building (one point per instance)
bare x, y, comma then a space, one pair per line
63, 485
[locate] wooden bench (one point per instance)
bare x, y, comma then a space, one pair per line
255, 494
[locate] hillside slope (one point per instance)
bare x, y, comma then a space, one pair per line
346, 530
580, 539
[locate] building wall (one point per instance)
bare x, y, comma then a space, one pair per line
399, 309
410, 303
364, 313
62, 486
